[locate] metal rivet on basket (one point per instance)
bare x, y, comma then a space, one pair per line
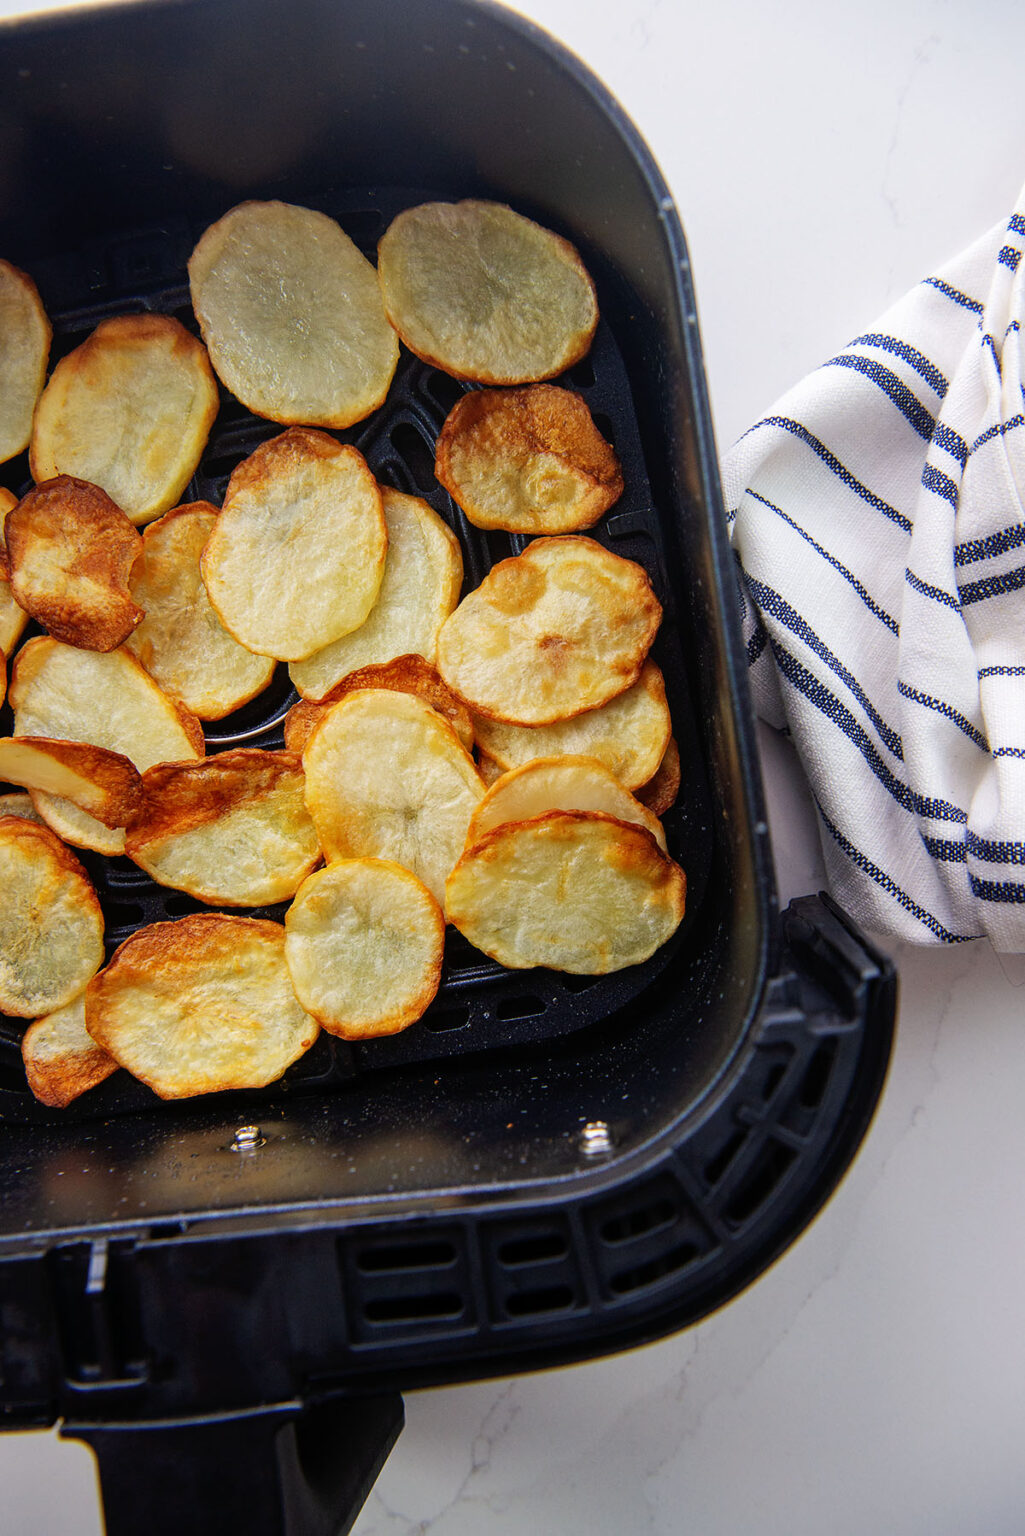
596, 1139
247, 1139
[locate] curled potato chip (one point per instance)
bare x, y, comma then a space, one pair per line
103, 783
484, 293
70, 552
576, 891
364, 942
548, 634
62, 1060
16, 804
200, 1005
129, 410
26, 346
296, 557
51, 925
231, 829
181, 642
661, 790
559, 784
13, 617
292, 314
423, 574
406, 674
529, 460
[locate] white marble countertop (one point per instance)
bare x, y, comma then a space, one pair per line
873, 1381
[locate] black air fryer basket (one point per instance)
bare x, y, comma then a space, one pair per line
225, 1297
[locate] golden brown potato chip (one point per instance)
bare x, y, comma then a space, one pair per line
559, 784
548, 634
529, 460
70, 553
489, 770
51, 926
26, 346
103, 783
296, 557
661, 790
575, 891
61, 1058
13, 804
200, 1006
484, 293
181, 642
387, 777
231, 829
364, 941
13, 617
406, 674
423, 574
292, 314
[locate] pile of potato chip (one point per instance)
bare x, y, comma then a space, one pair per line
498, 761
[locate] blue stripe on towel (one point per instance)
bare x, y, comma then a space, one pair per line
954, 294
997, 890
840, 470
993, 586
998, 429
935, 480
946, 851
951, 442
947, 710
894, 388
995, 544
1002, 671
1009, 256
995, 853
936, 593
907, 354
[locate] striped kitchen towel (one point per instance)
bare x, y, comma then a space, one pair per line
877, 517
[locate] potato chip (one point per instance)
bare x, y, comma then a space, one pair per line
51, 926
129, 410
661, 790
13, 617
364, 941
292, 314
423, 574
387, 777
489, 770
16, 804
548, 634
200, 1005
484, 293
231, 829
575, 891
559, 784
70, 553
181, 642
406, 674
62, 1060
103, 783
296, 557
529, 460
26, 346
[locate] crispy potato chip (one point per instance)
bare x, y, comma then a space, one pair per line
484, 293
51, 926
529, 460
559, 784
548, 634
661, 790
387, 777
572, 890
423, 574
70, 553
181, 642
62, 1060
296, 557
364, 941
14, 804
200, 1006
130, 410
26, 346
13, 617
489, 770
292, 314
231, 829
406, 674
629, 734
103, 783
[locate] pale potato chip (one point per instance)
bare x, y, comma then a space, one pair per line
528, 460
629, 735
484, 293
574, 891
200, 1005
70, 552
26, 346
406, 674
559, 784
548, 634
61, 1058
364, 942
423, 575
296, 557
292, 314
181, 642
661, 790
387, 777
16, 804
130, 410
103, 783
13, 617
231, 829
51, 925
489, 770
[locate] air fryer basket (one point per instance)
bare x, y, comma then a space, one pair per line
545, 1167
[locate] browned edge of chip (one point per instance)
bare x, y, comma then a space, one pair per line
178, 797
58, 1079
661, 790
114, 784
405, 674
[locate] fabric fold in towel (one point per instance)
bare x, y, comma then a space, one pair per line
877, 517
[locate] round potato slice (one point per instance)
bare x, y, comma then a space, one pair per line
387, 777
130, 410
26, 346
51, 925
201, 1005
103, 783
572, 890
292, 314
484, 293
181, 642
559, 784
297, 555
406, 674
661, 790
62, 1060
364, 941
231, 829
423, 574
13, 617
553, 632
